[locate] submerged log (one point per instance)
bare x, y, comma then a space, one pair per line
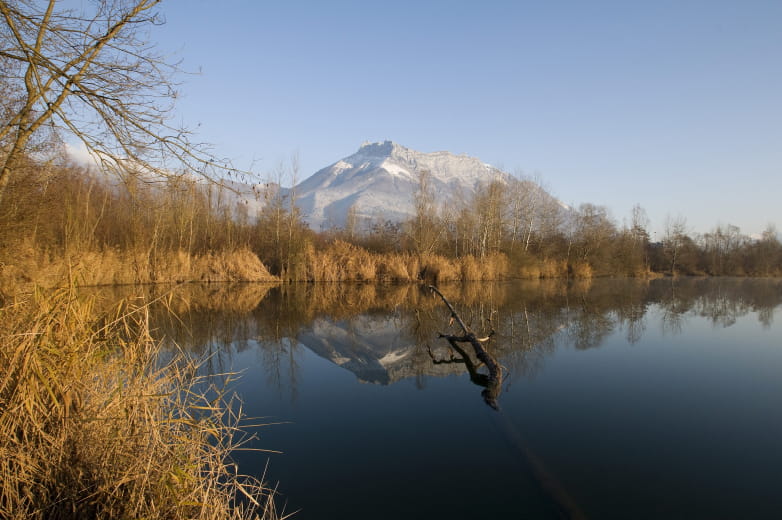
492, 382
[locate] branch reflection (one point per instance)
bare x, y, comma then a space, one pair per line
384, 334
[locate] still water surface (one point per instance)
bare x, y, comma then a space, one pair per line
621, 399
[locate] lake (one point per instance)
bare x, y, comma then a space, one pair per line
619, 399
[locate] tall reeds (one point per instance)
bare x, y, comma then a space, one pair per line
344, 262
110, 266
92, 425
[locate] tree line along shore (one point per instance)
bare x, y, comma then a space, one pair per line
67, 222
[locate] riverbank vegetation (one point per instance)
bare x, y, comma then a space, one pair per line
68, 222
93, 426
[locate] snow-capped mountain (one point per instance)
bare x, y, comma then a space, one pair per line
379, 182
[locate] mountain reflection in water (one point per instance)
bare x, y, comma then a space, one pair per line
384, 334
637, 398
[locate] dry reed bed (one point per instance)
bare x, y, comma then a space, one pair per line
111, 267
92, 427
344, 262
338, 261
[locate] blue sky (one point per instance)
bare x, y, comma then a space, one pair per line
674, 105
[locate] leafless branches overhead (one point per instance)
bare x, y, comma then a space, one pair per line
93, 72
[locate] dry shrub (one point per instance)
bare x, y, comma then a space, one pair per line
342, 262
355, 263
32, 266
229, 266
530, 271
471, 269
320, 266
642, 271
581, 270
92, 267
366, 270
438, 269
553, 269
112, 267
494, 266
92, 427
22, 263
414, 266
497, 266
393, 267
524, 266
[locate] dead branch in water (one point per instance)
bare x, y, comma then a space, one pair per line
492, 382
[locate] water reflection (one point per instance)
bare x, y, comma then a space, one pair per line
616, 393
491, 381
383, 334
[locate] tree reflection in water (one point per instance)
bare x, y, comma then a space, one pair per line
385, 333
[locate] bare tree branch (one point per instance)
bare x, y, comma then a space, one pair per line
94, 74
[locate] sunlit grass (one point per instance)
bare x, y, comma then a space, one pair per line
92, 425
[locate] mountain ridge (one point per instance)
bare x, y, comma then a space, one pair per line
379, 180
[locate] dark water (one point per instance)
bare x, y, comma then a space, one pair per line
621, 399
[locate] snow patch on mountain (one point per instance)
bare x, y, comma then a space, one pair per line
379, 182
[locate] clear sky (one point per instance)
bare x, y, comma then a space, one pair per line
672, 104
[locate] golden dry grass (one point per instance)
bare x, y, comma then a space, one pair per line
581, 270
91, 426
339, 261
471, 268
530, 271
396, 268
437, 269
553, 269
29, 265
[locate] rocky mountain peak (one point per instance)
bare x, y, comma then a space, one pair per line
378, 181
380, 149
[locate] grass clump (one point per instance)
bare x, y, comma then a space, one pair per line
92, 425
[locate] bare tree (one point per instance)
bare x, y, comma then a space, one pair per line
351, 223
722, 248
424, 227
593, 232
280, 229
92, 72
489, 203
525, 198
765, 255
674, 239
552, 222
634, 243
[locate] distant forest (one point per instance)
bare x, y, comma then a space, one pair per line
61, 220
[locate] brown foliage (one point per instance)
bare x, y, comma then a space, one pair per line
92, 426
581, 270
111, 266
